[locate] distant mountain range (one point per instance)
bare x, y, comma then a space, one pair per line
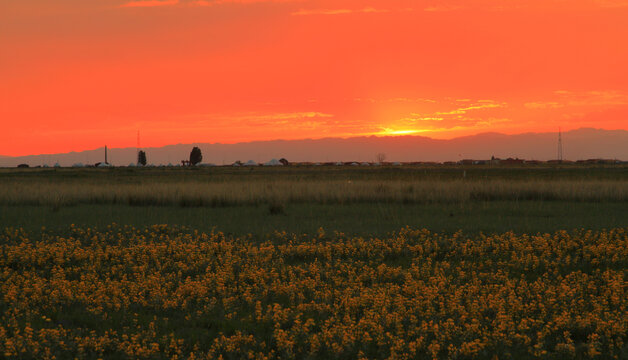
578, 144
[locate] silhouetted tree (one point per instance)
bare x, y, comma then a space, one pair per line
141, 158
195, 156
381, 157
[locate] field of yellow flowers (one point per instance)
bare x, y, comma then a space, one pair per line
167, 292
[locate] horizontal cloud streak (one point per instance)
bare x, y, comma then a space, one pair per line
150, 3
200, 3
338, 11
428, 7
607, 98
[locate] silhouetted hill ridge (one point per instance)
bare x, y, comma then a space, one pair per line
585, 143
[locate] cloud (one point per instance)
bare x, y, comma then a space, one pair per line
437, 125
251, 1
285, 116
149, 3
419, 117
565, 98
501, 5
488, 5
442, 8
304, 119
435, 115
482, 104
394, 100
543, 105
338, 11
396, 132
200, 3
475, 114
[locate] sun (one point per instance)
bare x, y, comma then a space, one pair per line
393, 132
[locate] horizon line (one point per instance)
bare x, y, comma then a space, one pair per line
317, 139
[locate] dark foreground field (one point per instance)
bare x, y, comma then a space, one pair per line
363, 201
359, 219
164, 293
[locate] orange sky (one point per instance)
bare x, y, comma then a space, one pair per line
78, 74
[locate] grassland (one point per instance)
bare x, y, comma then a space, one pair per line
366, 201
314, 263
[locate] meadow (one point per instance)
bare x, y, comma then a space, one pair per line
356, 200
407, 262
167, 292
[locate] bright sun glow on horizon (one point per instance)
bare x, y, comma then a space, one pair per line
393, 132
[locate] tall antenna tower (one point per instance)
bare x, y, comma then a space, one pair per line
137, 149
560, 145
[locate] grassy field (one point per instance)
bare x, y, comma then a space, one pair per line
355, 200
314, 263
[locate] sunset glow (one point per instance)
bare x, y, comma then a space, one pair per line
392, 132
80, 74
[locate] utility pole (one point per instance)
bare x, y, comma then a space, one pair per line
560, 145
106, 155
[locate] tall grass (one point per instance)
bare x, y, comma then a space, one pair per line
190, 193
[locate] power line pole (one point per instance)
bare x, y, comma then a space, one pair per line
137, 148
560, 145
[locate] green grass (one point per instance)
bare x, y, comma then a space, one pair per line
355, 200
360, 219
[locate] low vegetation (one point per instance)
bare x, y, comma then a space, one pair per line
512, 285
319, 192
225, 187
368, 201
166, 292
